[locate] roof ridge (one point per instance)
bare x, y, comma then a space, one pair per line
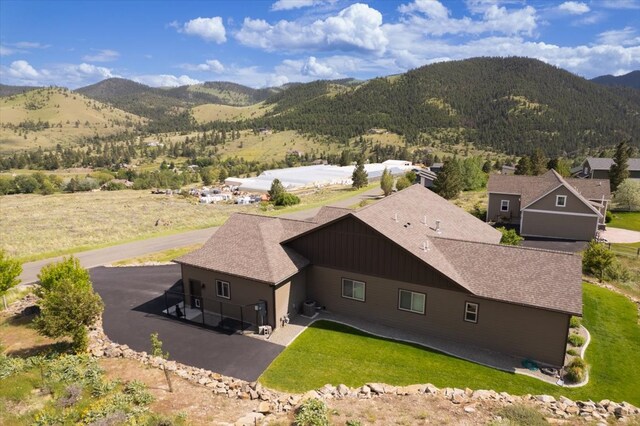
270, 217
509, 247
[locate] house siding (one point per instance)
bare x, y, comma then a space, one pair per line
493, 209
537, 224
241, 290
532, 333
289, 296
548, 202
350, 245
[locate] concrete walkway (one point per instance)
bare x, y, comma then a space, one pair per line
618, 235
284, 336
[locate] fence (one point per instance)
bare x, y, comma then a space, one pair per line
211, 313
624, 250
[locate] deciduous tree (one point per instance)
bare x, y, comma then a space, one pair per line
386, 182
628, 194
10, 270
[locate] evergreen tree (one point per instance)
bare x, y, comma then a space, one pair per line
486, 167
538, 162
360, 177
449, 182
619, 170
524, 166
277, 189
386, 182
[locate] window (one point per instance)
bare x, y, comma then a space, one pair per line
222, 289
352, 289
561, 200
504, 206
471, 312
412, 301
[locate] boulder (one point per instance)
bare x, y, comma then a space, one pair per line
546, 399
342, 389
264, 407
376, 388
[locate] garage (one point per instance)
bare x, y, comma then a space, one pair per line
569, 226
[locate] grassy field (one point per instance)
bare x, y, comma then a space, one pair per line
69, 114
332, 353
213, 112
625, 220
38, 227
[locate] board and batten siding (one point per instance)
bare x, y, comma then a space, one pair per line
538, 224
350, 245
289, 296
513, 329
241, 290
493, 210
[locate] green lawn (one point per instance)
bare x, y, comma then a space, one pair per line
332, 353
625, 220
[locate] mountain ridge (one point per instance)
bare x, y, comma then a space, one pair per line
631, 79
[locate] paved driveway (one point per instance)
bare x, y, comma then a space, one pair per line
618, 235
133, 299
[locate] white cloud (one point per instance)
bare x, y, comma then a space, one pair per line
432, 17
6, 51
291, 4
22, 70
209, 29
624, 37
105, 55
574, 7
30, 45
277, 80
619, 4
357, 27
212, 65
165, 80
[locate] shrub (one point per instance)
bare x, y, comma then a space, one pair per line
353, 423
617, 272
67, 269
312, 412
572, 352
286, 199
138, 393
10, 270
596, 259
608, 217
575, 371
509, 237
402, 183
576, 339
520, 414
575, 322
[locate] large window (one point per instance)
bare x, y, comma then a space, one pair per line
412, 301
561, 200
471, 312
222, 289
504, 205
352, 289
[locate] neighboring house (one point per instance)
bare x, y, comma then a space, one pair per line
427, 177
436, 167
508, 170
598, 168
412, 261
549, 205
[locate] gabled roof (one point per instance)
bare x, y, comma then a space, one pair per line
532, 188
605, 163
249, 246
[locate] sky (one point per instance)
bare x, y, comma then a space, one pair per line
273, 42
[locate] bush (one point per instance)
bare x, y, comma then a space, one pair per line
617, 272
575, 322
10, 270
312, 412
596, 259
68, 268
575, 371
608, 217
402, 183
520, 414
286, 199
509, 237
572, 352
576, 339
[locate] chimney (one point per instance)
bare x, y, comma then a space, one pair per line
438, 230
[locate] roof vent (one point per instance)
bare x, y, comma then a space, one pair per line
395, 217
425, 246
438, 230
599, 183
425, 219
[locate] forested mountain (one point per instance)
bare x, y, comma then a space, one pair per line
233, 94
512, 105
6, 90
631, 79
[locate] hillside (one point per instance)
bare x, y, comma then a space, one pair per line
511, 105
233, 94
6, 90
51, 116
631, 79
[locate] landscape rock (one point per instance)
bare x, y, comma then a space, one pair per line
264, 407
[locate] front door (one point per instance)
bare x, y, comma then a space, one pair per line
195, 290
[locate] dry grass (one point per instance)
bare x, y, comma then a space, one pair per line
213, 112
36, 226
159, 256
58, 107
467, 200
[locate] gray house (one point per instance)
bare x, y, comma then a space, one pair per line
598, 168
549, 205
412, 260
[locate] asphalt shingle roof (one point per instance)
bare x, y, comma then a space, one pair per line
606, 163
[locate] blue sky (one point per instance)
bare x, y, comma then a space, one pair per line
269, 43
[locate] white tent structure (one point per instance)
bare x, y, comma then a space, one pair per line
315, 176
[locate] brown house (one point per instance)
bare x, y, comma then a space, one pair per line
412, 261
549, 206
598, 168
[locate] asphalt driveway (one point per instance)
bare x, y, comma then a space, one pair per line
133, 299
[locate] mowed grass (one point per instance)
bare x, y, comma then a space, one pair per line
160, 256
625, 220
333, 353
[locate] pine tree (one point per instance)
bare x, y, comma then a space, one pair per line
524, 166
538, 162
360, 177
619, 170
449, 182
